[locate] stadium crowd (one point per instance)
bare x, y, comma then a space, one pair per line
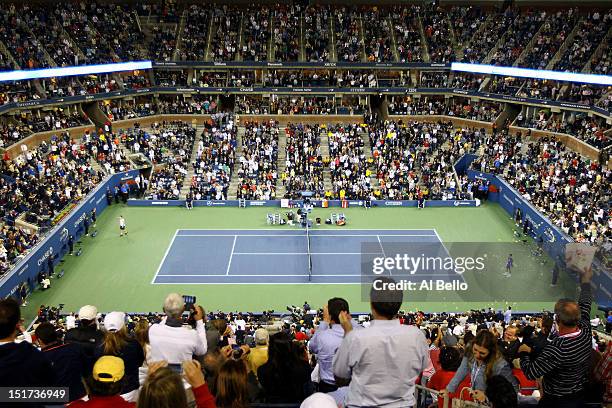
568, 188
350, 173
303, 161
312, 358
258, 164
215, 157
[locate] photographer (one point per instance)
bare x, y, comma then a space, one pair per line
170, 340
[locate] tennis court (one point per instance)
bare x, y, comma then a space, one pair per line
286, 256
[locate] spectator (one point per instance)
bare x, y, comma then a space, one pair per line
231, 388
603, 373
172, 342
104, 385
364, 355
501, 393
540, 340
117, 342
285, 377
66, 359
87, 334
482, 361
21, 365
564, 362
326, 340
258, 355
509, 344
450, 360
164, 387
319, 400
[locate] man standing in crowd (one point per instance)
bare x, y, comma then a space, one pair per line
109, 196
509, 344
508, 316
326, 341
383, 361
70, 244
564, 362
258, 355
171, 341
21, 364
125, 192
87, 335
66, 359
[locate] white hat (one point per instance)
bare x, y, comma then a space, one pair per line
319, 400
88, 312
114, 321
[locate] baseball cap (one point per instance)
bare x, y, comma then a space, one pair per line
319, 400
114, 321
108, 369
88, 312
261, 336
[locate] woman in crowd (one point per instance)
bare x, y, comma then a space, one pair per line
482, 361
285, 377
231, 385
164, 387
117, 342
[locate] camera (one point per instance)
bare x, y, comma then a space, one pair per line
189, 302
190, 308
237, 352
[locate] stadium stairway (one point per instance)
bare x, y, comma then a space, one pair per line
190, 172
96, 167
532, 42
148, 26
232, 193
424, 46
368, 155
569, 40
327, 180
281, 161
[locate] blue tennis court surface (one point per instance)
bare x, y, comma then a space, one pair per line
280, 256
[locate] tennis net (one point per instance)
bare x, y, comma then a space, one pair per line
309, 254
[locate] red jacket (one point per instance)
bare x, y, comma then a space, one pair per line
114, 401
203, 397
440, 380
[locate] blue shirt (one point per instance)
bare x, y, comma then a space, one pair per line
324, 344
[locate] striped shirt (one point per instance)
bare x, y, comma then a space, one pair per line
564, 362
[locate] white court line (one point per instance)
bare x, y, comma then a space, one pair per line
447, 253
297, 231
312, 235
258, 283
165, 255
306, 253
283, 275
383, 250
229, 263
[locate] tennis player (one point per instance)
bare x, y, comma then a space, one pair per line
509, 266
122, 226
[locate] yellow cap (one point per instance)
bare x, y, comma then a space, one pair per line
108, 369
